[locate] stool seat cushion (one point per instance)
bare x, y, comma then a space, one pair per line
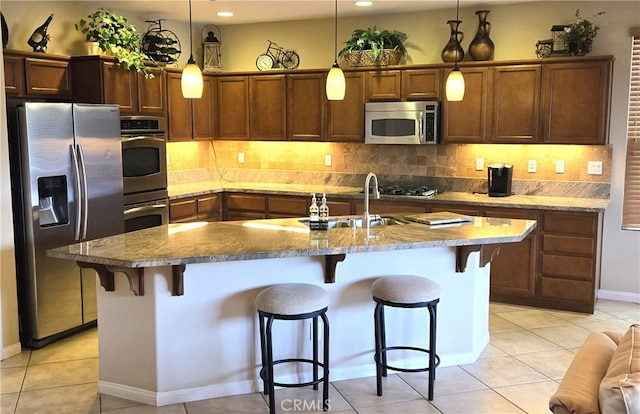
406, 289
292, 299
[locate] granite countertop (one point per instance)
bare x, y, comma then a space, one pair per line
471, 199
181, 244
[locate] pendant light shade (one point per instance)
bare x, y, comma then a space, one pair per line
455, 85
191, 82
455, 80
336, 86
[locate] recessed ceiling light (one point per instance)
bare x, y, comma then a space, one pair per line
224, 14
364, 3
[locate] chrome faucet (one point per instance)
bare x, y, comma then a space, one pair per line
366, 219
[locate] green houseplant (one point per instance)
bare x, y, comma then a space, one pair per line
371, 46
579, 34
115, 36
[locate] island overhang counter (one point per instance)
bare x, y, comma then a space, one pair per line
177, 321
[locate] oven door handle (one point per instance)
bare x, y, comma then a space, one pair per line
142, 138
144, 208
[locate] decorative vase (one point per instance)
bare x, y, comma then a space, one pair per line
580, 47
453, 51
481, 47
93, 48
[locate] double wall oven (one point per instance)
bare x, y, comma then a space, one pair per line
144, 172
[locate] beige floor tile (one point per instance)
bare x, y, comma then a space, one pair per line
8, 402
476, 402
532, 318
492, 352
107, 402
82, 345
247, 403
57, 374
566, 336
73, 399
147, 409
307, 400
449, 380
11, 379
614, 325
500, 372
499, 324
577, 317
361, 392
622, 310
553, 364
20, 360
531, 398
519, 342
495, 307
408, 407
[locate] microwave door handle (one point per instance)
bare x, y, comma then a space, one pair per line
422, 121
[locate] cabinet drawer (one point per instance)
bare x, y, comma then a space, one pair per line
568, 266
567, 244
563, 289
570, 223
209, 206
469, 211
291, 206
182, 210
246, 202
339, 208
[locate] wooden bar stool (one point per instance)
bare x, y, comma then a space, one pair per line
293, 301
404, 291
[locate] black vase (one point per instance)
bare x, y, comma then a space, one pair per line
5, 32
481, 47
453, 51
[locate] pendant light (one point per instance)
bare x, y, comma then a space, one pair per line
191, 75
336, 85
455, 80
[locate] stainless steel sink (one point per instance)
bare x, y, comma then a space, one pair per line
356, 221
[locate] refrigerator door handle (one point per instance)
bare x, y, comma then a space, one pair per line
76, 173
85, 191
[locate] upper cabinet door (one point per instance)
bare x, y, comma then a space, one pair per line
204, 110
152, 94
268, 107
305, 106
346, 117
421, 84
576, 102
180, 126
516, 103
466, 121
120, 87
233, 107
384, 85
45, 77
13, 75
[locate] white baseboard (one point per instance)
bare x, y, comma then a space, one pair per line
11, 350
619, 296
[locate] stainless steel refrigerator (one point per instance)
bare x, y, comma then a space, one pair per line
66, 173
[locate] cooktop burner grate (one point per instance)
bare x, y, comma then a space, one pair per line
406, 191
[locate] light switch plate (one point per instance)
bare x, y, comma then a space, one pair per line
241, 157
327, 160
594, 168
479, 164
559, 166
532, 166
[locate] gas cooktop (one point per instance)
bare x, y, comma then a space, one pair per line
408, 191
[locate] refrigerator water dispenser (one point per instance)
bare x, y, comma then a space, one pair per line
52, 196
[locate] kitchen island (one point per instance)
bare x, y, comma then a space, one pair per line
177, 320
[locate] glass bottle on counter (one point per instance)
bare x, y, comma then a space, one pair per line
324, 213
314, 214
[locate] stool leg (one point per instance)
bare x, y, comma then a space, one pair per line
325, 360
383, 341
378, 339
432, 348
263, 349
269, 368
315, 352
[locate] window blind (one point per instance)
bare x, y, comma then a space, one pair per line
631, 204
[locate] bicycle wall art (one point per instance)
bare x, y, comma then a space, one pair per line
277, 57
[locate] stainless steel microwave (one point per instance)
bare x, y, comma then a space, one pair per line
402, 122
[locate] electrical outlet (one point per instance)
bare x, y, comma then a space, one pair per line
479, 164
327, 160
594, 168
532, 166
241, 157
559, 166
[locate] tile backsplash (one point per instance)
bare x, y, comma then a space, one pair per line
306, 163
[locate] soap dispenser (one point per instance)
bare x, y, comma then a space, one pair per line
324, 213
314, 217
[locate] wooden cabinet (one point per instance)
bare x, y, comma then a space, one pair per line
200, 208
516, 104
29, 74
267, 109
233, 107
287, 206
346, 117
466, 121
386, 207
245, 206
421, 84
190, 118
576, 100
384, 85
306, 107
100, 79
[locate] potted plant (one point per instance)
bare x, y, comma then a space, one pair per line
579, 35
371, 46
114, 35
